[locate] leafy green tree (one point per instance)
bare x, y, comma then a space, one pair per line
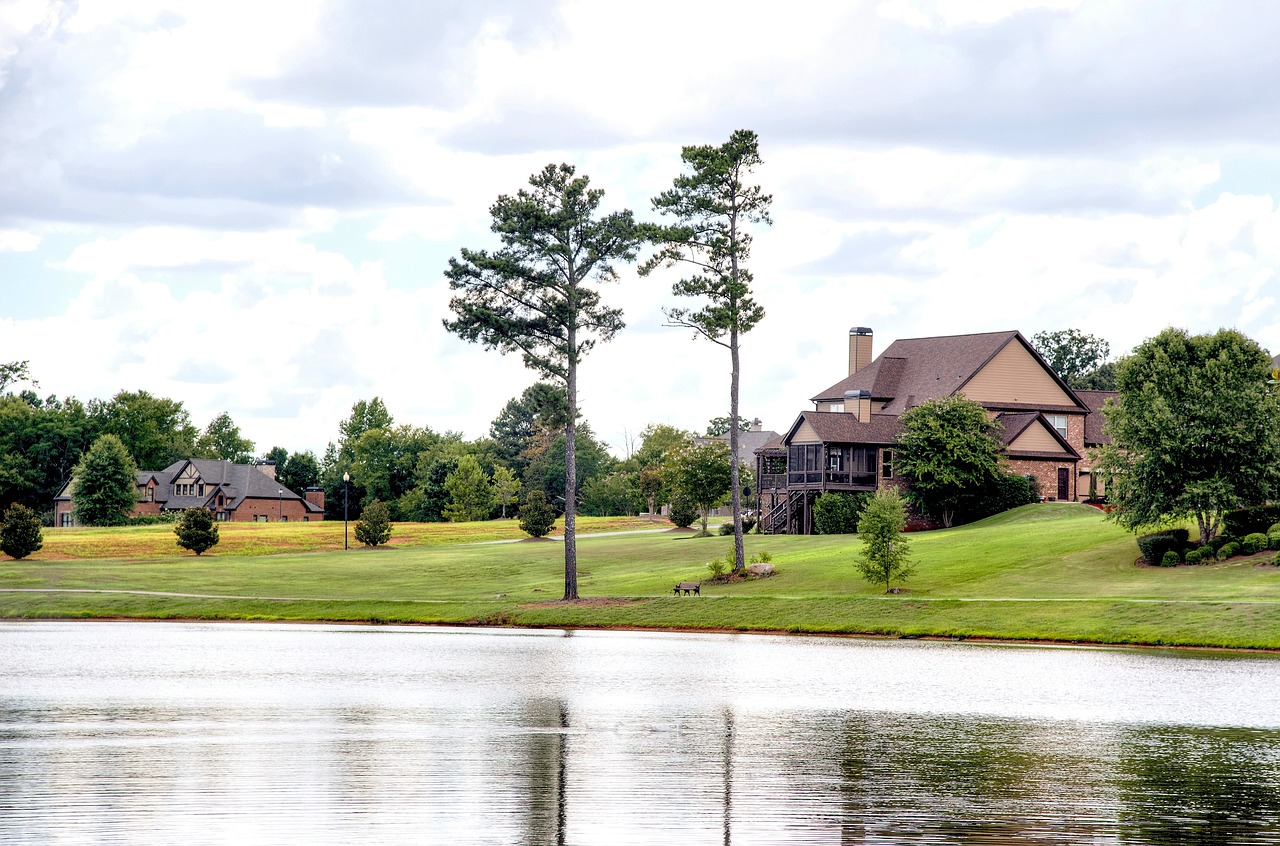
506, 488
14, 373
949, 452
40, 444
718, 426
1101, 378
20, 533
546, 469
278, 455
536, 517
374, 525
299, 471
534, 295
541, 407
221, 439
433, 472
1196, 432
614, 495
1072, 354
105, 488
702, 476
885, 552
659, 443
713, 204
196, 530
155, 431
365, 415
683, 512
470, 492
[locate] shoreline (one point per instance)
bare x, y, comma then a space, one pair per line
980, 640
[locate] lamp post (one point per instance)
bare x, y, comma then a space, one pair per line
346, 481
280, 500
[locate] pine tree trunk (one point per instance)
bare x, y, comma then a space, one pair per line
571, 464
735, 479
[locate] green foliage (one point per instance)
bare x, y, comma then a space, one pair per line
374, 526
718, 567
701, 475
1196, 432
1073, 355
1253, 542
718, 426
1246, 521
712, 204
1170, 559
470, 492
155, 431
614, 495
1228, 550
885, 552
221, 439
506, 488
1153, 546
748, 524
949, 452
365, 415
164, 518
15, 372
1273, 529
683, 512
837, 513
299, 471
1102, 378
196, 530
20, 533
1007, 490
762, 557
541, 408
104, 491
1198, 554
40, 443
536, 517
546, 468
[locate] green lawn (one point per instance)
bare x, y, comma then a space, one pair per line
1042, 572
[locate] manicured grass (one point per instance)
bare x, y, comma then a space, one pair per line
1042, 572
273, 538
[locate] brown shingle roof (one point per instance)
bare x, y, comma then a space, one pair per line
835, 427
1093, 434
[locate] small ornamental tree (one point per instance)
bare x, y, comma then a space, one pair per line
374, 526
470, 492
683, 512
20, 533
506, 487
949, 452
197, 530
885, 553
702, 475
536, 517
105, 487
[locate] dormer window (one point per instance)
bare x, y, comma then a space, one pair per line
1059, 422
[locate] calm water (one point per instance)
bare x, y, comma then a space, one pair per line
193, 734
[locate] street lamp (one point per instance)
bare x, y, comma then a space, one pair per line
346, 481
280, 500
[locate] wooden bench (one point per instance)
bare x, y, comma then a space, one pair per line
688, 587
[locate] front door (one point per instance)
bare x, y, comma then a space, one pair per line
1064, 483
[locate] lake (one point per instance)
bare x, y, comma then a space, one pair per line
265, 733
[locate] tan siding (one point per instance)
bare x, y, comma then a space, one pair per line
806, 435
1036, 439
1014, 375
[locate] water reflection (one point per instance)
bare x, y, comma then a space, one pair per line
215, 734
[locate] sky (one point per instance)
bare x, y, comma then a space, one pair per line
249, 206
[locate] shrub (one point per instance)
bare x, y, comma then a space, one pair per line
1222, 540
683, 512
163, 518
1254, 542
536, 517
374, 526
20, 533
747, 525
1273, 529
1273, 541
762, 557
1229, 550
1170, 559
1156, 544
837, 513
1009, 490
1247, 521
718, 567
197, 530
1197, 554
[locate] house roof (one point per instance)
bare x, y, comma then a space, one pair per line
236, 482
846, 428
748, 443
914, 370
1016, 423
1093, 423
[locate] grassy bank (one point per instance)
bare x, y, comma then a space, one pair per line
1043, 572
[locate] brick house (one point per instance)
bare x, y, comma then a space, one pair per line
846, 442
233, 492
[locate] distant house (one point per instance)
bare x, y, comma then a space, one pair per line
233, 492
846, 442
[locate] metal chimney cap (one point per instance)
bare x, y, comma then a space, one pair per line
860, 330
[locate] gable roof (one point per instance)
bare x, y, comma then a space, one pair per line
1016, 425
914, 370
236, 482
845, 428
1093, 423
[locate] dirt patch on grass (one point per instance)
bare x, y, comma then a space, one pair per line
587, 602
537, 540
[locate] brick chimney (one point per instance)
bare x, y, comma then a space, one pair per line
858, 403
268, 467
315, 496
859, 348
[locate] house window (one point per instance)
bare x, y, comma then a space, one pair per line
149, 494
837, 406
66, 519
1059, 422
284, 518
200, 489
886, 464
835, 460
260, 518
221, 516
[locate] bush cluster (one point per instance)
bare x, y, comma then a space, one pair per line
718, 567
1009, 490
1254, 542
1247, 521
748, 523
837, 513
1228, 550
1155, 545
1199, 554
1170, 559
161, 519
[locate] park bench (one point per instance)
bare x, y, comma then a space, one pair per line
688, 587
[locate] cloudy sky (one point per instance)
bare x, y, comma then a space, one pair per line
248, 206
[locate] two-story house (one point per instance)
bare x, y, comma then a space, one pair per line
846, 442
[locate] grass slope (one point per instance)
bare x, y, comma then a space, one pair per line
1042, 572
